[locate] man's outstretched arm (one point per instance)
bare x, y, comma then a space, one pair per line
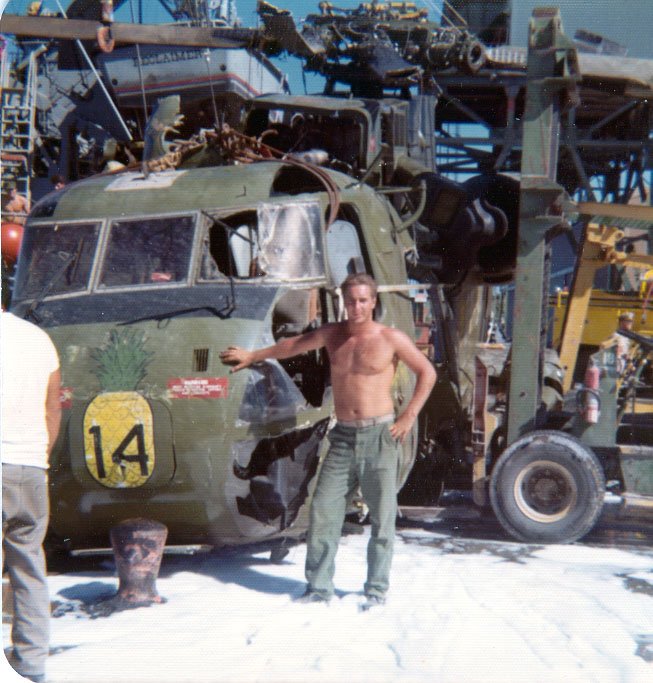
286, 348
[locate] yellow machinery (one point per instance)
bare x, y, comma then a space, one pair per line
604, 309
590, 317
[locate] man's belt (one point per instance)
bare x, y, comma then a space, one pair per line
367, 421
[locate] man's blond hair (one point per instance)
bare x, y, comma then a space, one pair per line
359, 279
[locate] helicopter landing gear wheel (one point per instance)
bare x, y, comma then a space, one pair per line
547, 487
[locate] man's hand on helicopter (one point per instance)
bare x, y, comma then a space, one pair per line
286, 348
239, 358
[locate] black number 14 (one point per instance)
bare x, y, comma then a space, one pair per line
136, 432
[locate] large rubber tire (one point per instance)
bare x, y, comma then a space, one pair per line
547, 487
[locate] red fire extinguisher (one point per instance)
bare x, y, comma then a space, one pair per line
589, 403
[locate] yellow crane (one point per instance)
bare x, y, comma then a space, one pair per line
603, 232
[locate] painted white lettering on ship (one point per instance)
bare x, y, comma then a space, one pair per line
168, 56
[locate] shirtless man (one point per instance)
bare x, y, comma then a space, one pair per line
17, 207
366, 441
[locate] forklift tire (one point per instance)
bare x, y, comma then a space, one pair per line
547, 487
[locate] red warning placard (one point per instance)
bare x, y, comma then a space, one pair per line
198, 387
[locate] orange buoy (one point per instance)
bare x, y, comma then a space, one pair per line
12, 236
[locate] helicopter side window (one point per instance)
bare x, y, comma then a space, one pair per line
243, 245
148, 252
230, 247
345, 254
280, 241
290, 240
57, 258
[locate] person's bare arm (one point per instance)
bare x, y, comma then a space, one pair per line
53, 408
286, 348
426, 376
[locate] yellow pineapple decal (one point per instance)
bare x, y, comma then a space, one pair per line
118, 424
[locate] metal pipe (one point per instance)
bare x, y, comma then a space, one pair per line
415, 216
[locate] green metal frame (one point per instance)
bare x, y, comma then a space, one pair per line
552, 79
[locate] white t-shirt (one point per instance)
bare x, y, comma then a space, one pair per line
28, 358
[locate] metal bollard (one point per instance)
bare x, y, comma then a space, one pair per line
138, 548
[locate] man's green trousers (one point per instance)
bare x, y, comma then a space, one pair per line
368, 457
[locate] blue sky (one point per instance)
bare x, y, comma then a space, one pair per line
154, 12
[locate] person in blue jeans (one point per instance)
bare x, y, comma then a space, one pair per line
366, 441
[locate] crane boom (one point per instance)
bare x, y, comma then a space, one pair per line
152, 34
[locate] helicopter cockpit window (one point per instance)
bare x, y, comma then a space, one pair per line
279, 241
58, 259
151, 251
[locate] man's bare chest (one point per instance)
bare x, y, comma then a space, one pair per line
368, 355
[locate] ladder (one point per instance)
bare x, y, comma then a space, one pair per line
17, 122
